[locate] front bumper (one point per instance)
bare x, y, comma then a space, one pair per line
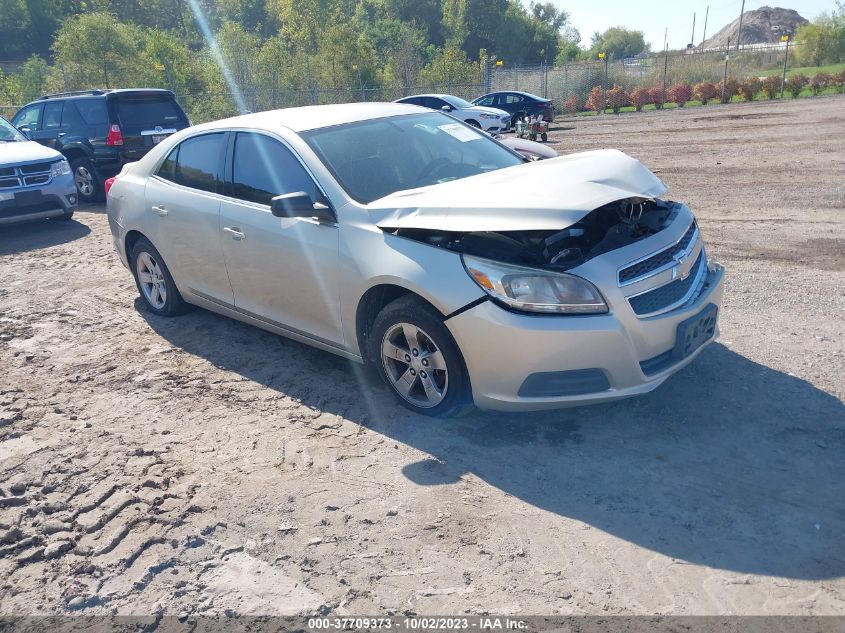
51, 199
502, 349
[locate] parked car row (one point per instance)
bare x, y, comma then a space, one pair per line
99, 131
400, 236
493, 112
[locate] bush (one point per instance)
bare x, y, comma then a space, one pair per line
771, 86
639, 98
838, 81
749, 88
705, 91
657, 97
573, 104
731, 89
680, 94
795, 84
617, 99
820, 81
595, 100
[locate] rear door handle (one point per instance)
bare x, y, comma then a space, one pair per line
235, 232
160, 210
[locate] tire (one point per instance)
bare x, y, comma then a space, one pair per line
88, 184
153, 280
406, 363
544, 137
474, 123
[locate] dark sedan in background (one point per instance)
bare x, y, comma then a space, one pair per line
514, 102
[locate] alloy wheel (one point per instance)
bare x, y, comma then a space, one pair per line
414, 365
84, 181
151, 279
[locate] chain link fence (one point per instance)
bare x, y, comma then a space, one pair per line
568, 86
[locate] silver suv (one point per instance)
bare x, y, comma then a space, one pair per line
400, 237
35, 181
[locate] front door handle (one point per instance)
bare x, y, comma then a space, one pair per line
235, 232
160, 210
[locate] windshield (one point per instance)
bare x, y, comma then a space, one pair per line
9, 133
372, 159
457, 102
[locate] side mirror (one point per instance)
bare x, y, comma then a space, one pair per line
300, 205
446, 108
25, 131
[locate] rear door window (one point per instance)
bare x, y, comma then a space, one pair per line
136, 115
198, 162
263, 168
71, 117
52, 118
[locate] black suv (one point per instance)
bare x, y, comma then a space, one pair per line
99, 131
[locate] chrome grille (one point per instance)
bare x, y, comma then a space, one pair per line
25, 175
659, 261
671, 295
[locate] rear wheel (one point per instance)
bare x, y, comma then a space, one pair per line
156, 285
85, 177
419, 360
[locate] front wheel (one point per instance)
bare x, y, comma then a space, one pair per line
419, 360
156, 285
474, 123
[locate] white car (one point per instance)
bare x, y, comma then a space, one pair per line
488, 119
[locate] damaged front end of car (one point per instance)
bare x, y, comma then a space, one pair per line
574, 209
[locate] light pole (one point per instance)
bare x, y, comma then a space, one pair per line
785, 59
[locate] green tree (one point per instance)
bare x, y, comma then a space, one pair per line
97, 50
33, 78
822, 41
619, 43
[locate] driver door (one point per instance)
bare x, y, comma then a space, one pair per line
282, 270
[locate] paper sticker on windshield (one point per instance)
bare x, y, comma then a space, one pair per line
460, 132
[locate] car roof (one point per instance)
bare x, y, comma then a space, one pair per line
515, 92
312, 117
111, 92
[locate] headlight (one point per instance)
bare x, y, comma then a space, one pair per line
532, 290
484, 115
60, 168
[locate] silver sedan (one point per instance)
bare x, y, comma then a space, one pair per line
402, 238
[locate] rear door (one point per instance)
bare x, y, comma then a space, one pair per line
183, 203
146, 118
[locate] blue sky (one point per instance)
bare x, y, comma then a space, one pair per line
653, 16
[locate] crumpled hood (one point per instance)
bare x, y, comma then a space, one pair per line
21, 152
545, 195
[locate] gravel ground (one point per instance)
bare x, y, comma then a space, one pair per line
198, 465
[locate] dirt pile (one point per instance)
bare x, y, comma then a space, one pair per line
762, 26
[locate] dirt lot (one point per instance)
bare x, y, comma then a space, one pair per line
198, 465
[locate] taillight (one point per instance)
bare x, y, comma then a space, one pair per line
107, 185
115, 136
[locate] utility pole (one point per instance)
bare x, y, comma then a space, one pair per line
739, 32
665, 70
725, 77
706, 15
692, 38
785, 58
